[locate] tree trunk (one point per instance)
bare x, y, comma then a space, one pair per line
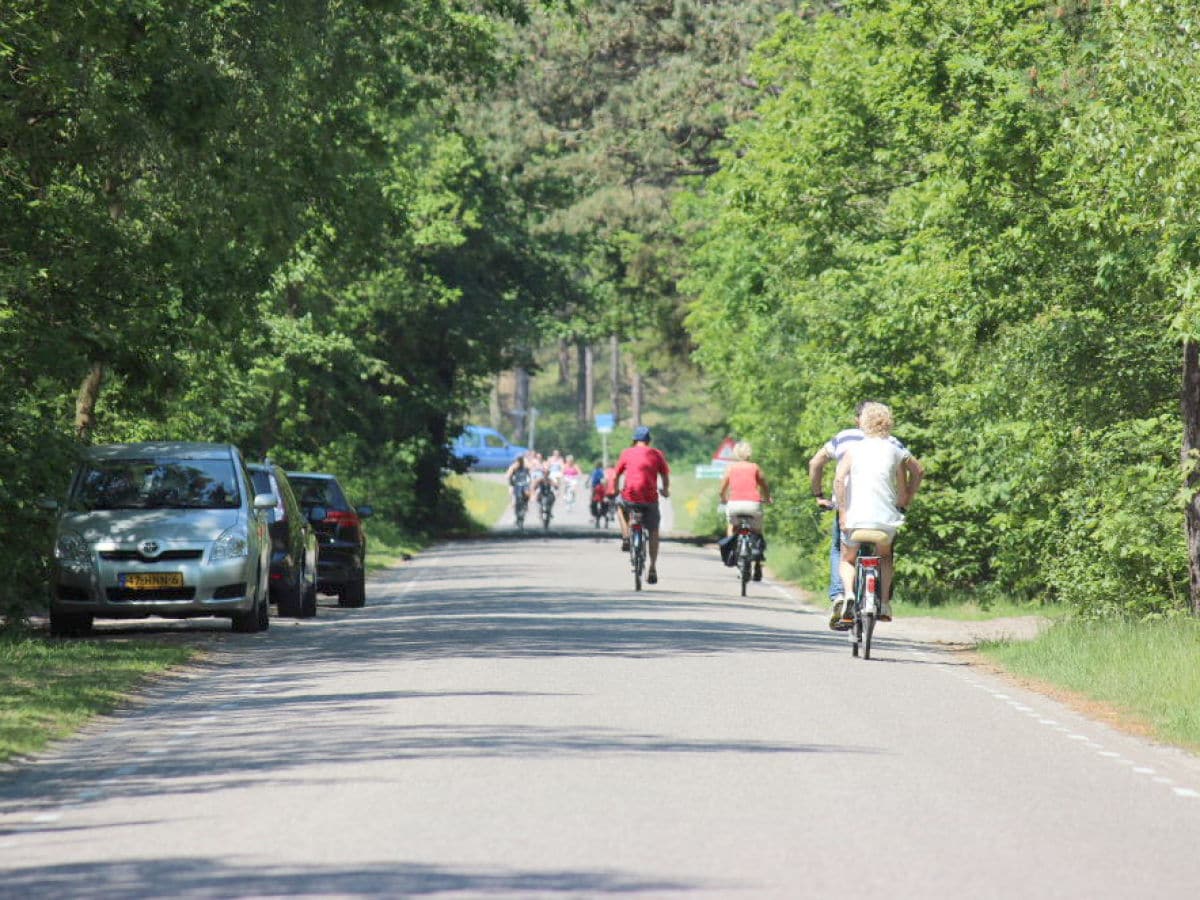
589, 383
1191, 464
581, 375
495, 412
564, 362
615, 378
635, 396
521, 398
86, 400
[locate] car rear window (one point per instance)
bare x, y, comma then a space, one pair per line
318, 492
156, 484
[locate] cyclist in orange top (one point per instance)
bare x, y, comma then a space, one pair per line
744, 490
641, 466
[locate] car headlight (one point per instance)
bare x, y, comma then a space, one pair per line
233, 544
73, 552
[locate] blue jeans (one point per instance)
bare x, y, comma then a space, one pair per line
835, 557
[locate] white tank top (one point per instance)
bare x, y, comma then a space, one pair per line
874, 484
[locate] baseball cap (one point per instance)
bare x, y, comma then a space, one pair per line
641, 433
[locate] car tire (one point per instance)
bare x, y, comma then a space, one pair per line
258, 618
308, 598
291, 598
70, 624
354, 594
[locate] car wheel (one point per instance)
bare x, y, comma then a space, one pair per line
70, 624
354, 594
308, 597
257, 618
291, 597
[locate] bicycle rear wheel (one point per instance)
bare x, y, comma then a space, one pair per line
637, 550
868, 629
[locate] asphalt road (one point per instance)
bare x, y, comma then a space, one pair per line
508, 718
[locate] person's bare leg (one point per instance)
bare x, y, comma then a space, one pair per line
624, 525
654, 550
846, 568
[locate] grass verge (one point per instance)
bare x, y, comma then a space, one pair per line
49, 689
694, 502
485, 499
1145, 670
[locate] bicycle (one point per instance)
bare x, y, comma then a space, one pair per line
868, 587
569, 492
520, 504
745, 554
546, 502
637, 544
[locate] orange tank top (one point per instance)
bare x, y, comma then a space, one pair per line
743, 481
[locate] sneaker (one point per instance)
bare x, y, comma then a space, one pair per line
624, 545
835, 613
848, 612
757, 572
651, 577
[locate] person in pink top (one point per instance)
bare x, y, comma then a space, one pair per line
637, 472
744, 490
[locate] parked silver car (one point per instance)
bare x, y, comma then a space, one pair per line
161, 529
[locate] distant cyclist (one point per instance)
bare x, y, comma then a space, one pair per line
518, 478
637, 472
875, 482
744, 490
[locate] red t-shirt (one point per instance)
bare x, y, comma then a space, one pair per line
642, 465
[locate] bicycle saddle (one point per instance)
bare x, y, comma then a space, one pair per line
869, 536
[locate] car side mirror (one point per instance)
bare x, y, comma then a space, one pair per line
49, 504
365, 511
317, 513
264, 501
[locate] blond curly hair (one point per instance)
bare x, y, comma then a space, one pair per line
876, 420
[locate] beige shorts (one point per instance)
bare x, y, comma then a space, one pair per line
751, 508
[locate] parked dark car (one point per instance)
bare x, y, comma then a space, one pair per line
295, 548
341, 568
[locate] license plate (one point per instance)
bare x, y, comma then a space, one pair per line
148, 581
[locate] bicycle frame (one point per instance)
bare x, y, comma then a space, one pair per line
745, 548
868, 588
637, 545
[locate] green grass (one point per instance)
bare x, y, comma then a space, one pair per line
48, 689
1147, 670
695, 503
388, 545
485, 499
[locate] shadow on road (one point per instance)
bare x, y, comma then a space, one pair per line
210, 877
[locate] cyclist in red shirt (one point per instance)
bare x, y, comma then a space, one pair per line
641, 465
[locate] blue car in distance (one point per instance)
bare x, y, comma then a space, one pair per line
484, 448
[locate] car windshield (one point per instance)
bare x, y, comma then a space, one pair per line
319, 492
156, 484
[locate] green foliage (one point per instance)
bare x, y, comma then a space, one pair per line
261, 224
974, 212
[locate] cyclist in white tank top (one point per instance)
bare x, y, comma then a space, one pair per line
875, 480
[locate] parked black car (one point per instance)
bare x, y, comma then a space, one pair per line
342, 567
295, 551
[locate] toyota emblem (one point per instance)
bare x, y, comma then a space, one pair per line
149, 548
